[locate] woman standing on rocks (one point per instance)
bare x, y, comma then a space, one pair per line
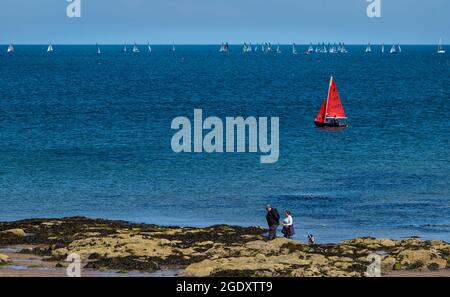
288, 225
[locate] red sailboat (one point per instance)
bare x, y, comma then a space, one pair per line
332, 113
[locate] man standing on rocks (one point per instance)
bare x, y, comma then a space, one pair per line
273, 220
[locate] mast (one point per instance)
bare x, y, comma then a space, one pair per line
328, 98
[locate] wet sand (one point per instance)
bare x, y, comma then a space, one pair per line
28, 265
406, 273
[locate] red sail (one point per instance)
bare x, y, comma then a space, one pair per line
335, 108
321, 115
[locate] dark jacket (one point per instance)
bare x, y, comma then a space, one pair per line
273, 217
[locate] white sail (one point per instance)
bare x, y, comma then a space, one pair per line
124, 50
173, 47
256, 48
294, 49
136, 49
10, 48
222, 48
369, 48
440, 47
393, 49
333, 49
278, 49
399, 48
149, 48
382, 48
50, 48
98, 49
310, 49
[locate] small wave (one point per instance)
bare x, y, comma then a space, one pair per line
435, 226
426, 226
304, 197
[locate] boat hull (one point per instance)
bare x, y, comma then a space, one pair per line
331, 125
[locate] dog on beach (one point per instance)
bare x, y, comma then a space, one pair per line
311, 239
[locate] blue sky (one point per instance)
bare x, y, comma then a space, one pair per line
212, 21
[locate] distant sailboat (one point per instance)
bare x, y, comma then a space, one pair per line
124, 50
278, 49
369, 49
310, 49
173, 47
98, 49
294, 49
393, 50
440, 47
399, 48
382, 48
256, 48
136, 49
333, 49
244, 47
50, 48
222, 48
10, 48
331, 113
343, 49
149, 48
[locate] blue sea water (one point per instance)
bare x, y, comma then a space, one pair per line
87, 134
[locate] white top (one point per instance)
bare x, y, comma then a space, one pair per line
288, 221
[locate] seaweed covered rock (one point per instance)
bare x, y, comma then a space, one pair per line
219, 250
4, 259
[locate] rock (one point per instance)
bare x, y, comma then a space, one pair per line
4, 259
388, 263
371, 243
14, 232
317, 259
418, 259
202, 269
387, 243
215, 251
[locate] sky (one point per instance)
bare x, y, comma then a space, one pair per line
214, 21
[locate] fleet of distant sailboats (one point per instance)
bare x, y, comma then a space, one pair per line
266, 47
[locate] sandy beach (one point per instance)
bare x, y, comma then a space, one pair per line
39, 248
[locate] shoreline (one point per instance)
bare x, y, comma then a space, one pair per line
39, 247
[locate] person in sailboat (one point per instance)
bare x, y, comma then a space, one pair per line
335, 121
331, 112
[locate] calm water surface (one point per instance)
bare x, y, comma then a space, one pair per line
82, 134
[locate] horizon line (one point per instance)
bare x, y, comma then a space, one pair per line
215, 44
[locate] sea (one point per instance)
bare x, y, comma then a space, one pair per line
90, 135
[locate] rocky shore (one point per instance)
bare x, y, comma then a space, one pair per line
215, 251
